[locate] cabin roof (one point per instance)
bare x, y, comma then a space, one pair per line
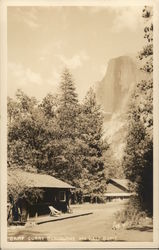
122, 182
29, 179
118, 186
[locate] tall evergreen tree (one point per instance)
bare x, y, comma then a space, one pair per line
68, 106
91, 133
69, 165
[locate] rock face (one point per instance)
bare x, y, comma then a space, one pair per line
114, 93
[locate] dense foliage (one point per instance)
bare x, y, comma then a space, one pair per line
59, 136
138, 159
91, 121
18, 190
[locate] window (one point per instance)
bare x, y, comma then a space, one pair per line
62, 196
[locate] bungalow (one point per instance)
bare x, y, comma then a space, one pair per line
117, 189
55, 192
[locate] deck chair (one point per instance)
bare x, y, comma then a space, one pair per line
54, 212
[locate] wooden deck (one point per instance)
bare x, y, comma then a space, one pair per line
44, 219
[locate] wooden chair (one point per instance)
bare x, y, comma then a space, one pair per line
54, 212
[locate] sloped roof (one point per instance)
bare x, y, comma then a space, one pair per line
35, 180
114, 189
122, 182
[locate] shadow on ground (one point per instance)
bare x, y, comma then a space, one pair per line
142, 229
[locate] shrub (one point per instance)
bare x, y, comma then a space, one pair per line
131, 216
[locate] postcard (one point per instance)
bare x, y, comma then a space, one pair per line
79, 124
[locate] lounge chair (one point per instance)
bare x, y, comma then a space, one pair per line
54, 212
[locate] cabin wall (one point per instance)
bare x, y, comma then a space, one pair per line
116, 198
58, 198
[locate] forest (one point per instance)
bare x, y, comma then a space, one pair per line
59, 136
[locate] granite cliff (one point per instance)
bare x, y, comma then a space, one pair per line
114, 94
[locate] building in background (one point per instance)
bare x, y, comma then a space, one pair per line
117, 189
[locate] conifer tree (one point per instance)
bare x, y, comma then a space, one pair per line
68, 106
68, 164
91, 134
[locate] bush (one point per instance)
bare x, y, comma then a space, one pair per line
131, 216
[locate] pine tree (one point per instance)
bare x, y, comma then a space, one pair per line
91, 133
68, 106
68, 163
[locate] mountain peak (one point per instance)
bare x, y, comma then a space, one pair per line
115, 88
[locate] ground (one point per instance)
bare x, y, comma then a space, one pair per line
94, 227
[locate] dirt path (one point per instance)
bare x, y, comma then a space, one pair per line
94, 227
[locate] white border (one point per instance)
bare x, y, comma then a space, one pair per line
10, 245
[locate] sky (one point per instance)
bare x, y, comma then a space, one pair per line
43, 40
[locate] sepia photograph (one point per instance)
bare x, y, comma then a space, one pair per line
79, 137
